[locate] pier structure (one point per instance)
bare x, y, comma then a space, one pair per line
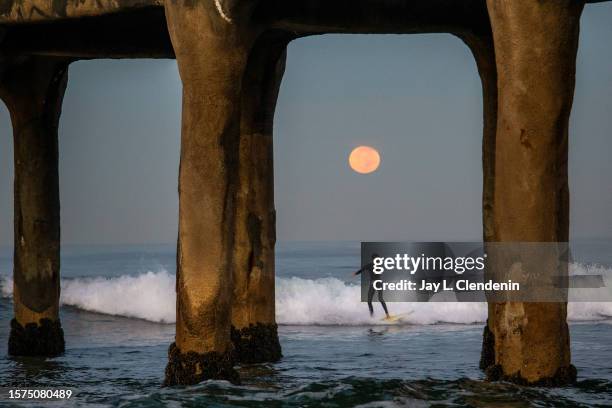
231, 56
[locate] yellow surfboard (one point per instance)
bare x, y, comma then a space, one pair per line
396, 318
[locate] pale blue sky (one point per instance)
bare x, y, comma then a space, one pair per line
416, 98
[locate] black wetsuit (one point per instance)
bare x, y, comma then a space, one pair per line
369, 269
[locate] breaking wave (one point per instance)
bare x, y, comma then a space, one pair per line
327, 301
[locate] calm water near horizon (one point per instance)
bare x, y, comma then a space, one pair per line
118, 314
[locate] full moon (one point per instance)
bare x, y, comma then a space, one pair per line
364, 159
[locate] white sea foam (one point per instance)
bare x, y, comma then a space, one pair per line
330, 301
327, 301
6, 286
148, 296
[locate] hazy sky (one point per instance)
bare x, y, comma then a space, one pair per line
416, 98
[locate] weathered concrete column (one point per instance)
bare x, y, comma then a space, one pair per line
480, 42
33, 89
211, 45
481, 45
254, 330
535, 49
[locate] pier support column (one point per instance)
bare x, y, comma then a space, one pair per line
480, 42
254, 330
33, 89
481, 46
211, 49
535, 48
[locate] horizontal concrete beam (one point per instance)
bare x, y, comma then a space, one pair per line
136, 34
138, 29
32, 11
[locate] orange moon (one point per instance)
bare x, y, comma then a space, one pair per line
364, 159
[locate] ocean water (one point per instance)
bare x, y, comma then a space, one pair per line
118, 314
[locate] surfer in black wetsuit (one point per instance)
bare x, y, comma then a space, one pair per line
369, 270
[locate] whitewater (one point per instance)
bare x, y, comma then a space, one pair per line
324, 301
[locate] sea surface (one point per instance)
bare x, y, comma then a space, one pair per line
118, 314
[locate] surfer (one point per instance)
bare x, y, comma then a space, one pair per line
369, 270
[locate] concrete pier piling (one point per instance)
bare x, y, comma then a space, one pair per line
480, 42
33, 88
535, 49
231, 56
254, 331
212, 55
